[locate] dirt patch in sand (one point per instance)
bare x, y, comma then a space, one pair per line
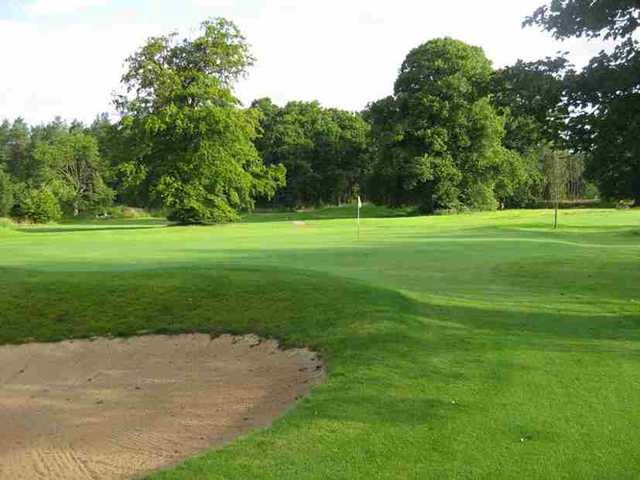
112, 409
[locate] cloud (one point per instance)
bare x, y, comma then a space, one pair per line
342, 53
213, 3
53, 73
54, 7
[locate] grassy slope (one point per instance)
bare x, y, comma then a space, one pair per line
475, 346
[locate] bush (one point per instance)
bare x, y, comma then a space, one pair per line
196, 213
37, 206
481, 197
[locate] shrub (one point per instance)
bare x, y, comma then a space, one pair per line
481, 197
37, 206
196, 213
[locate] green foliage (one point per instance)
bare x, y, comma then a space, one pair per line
324, 151
529, 95
605, 95
608, 19
6, 193
197, 156
37, 206
438, 140
128, 179
59, 158
16, 149
71, 166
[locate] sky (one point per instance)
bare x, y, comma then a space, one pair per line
65, 57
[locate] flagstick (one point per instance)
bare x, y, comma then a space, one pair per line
358, 222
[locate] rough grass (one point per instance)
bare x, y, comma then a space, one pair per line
462, 347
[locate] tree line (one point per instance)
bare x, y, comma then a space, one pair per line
454, 134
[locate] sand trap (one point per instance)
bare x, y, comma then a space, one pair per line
112, 409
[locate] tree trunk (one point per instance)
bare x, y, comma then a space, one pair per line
635, 187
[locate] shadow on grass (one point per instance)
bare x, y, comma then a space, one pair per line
87, 228
392, 361
301, 308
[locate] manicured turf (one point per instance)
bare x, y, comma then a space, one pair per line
461, 347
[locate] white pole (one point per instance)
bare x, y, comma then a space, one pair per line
359, 206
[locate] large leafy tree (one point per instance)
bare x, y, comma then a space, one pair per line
325, 151
72, 168
530, 97
194, 142
438, 139
48, 166
605, 96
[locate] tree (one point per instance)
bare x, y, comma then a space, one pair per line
521, 180
5, 127
530, 97
6, 193
438, 139
195, 142
38, 205
605, 96
610, 19
17, 150
73, 170
555, 171
325, 151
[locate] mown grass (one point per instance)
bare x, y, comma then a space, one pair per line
347, 211
462, 347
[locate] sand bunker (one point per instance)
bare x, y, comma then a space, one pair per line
112, 409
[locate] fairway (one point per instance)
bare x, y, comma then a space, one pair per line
457, 347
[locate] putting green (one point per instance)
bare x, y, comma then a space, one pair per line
472, 346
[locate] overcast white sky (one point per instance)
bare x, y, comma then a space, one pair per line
64, 57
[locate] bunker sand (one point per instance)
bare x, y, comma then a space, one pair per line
113, 409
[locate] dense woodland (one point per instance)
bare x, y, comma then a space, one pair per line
455, 134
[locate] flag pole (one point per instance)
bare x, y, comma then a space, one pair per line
359, 207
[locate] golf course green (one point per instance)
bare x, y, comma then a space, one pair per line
476, 346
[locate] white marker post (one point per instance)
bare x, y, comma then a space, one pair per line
359, 207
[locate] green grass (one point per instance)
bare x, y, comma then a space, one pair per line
458, 347
329, 213
5, 223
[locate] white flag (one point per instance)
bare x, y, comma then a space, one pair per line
359, 202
